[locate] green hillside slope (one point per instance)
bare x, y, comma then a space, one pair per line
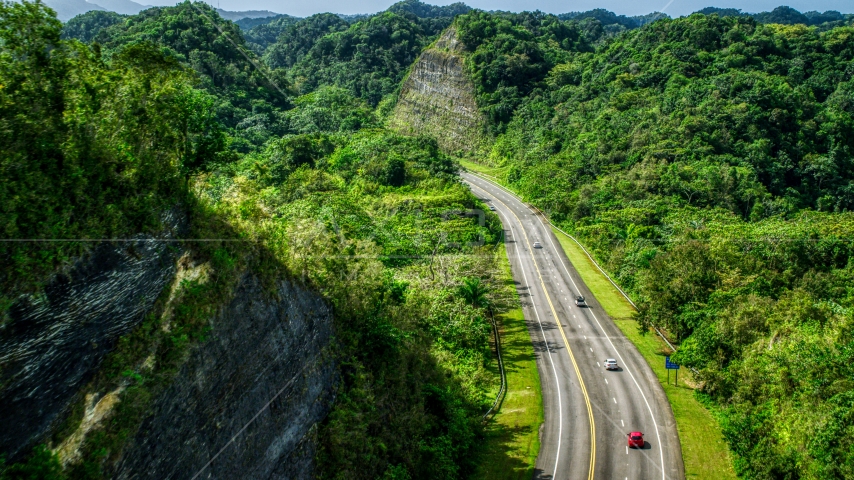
106, 136
708, 163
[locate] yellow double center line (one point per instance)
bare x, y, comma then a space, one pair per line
565, 341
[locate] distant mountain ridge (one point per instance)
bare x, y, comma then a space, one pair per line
234, 16
247, 23
68, 9
612, 22
784, 15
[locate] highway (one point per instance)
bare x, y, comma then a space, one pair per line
588, 410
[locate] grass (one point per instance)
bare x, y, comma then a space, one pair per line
495, 173
512, 442
704, 451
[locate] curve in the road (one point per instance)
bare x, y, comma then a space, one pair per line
614, 464
568, 350
554, 370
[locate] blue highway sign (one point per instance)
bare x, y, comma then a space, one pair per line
670, 365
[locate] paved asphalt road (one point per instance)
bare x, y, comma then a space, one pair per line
588, 410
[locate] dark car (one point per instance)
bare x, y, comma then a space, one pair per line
579, 300
636, 440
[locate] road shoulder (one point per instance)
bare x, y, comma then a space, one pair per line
704, 452
511, 438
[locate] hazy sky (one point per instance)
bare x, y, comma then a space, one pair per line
674, 8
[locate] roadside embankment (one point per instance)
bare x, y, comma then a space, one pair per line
704, 451
512, 440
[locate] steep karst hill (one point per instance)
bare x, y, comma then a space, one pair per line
438, 98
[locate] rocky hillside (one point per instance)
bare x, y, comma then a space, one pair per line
241, 400
438, 98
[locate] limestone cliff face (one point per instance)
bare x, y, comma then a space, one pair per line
438, 99
245, 403
54, 343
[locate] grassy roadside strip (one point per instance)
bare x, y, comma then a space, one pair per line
512, 442
495, 174
704, 451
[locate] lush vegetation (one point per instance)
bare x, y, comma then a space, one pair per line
297, 39
424, 11
248, 23
261, 33
512, 54
150, 115
708, 163
87, 26
787, 16
600, 23
369, 58
247, 95
411, 316
367, 55
93, 149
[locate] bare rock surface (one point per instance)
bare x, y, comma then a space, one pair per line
54, 343
245, 403
437, 98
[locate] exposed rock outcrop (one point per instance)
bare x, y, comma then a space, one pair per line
244, 404
54, 343
437, 98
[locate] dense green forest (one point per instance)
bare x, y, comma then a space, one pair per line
150, 115
706, 161
709, 163
248, 95
93, 149
413, 330
787, 16
85, 27
297, 39
368, 58
264, 33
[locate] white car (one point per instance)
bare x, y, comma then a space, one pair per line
611, 364
492, 207
537, 245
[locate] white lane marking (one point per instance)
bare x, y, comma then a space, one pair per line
563, 263
615, 400
646, 401
554, 370
597, 364
606, 380
579, 325
627, 449
591, 348
621, 422
585, 337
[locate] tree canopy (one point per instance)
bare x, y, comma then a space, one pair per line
708, 162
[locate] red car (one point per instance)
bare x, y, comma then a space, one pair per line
636, 440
